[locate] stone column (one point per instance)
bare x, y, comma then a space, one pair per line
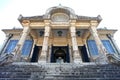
43, 56
18, 48
76, 55
49, 54
101, 49
70, 54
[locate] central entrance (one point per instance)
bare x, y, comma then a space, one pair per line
60, 54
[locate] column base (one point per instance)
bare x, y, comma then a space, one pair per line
42, 58
101, 59
77, 57
41, 61
77, 61
17, 58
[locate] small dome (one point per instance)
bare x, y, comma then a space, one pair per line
60, 9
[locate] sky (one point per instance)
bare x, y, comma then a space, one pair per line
108, 9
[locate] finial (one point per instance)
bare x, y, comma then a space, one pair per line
20, 17
60, 4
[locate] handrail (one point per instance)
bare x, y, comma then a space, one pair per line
6, 59
113, 58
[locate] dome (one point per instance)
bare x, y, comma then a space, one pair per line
60, 9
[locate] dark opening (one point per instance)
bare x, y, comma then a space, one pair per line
36, 54
84, 53
60, 52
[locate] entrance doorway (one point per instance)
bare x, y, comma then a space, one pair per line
83, 53
60, 54
36, 53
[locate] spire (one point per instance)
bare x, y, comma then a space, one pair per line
60, 4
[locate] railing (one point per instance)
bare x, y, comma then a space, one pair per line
6, 58
114, 59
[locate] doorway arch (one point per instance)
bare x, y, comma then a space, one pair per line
60, 55
60, 52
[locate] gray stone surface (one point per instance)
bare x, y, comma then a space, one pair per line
65, 71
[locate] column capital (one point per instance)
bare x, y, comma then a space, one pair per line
72, 22
47, 22
26, 23
93, 29
72, 29
93, 23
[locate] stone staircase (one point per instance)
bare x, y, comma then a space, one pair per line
55, 71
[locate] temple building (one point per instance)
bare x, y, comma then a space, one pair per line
60, 36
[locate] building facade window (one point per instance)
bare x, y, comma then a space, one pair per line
25, 50
108, 46
11, 46
93, 47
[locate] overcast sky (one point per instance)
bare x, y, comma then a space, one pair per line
108, 9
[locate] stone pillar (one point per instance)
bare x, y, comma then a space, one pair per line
18, 48
76, 55
70, 54
101, 49
49, 53
43, 56
8, 36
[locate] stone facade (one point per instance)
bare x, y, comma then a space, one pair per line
60, 33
